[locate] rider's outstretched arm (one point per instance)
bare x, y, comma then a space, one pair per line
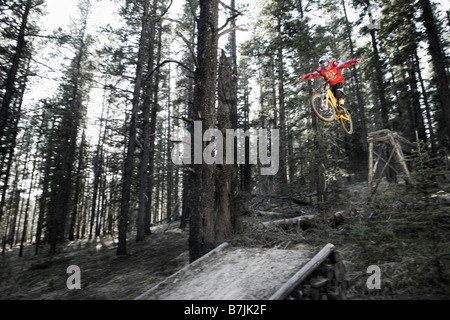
313, 75
348, 63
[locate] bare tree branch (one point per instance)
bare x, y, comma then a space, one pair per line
184, 119
194, 14
229, 20
147, 77
167, 9
230, 8
177, 22
190, 49
232, 29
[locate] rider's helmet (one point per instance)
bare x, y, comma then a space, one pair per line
324, 62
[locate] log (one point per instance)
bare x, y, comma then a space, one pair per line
265, 213
338, 218
301, 202
303, 222
289, 286
318, 282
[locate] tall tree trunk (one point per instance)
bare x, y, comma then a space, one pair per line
69, 129
13, 138
11, 77
73, 218
143, 166
201, 236
318, 159
131, 146
415, 101
362, 115
379, 81
427, 105
439, 60
282, 106
45, 186
169, 164
234, 118
97, 170
27, 206
153, 119
225, 172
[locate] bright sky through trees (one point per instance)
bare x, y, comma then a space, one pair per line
59, 14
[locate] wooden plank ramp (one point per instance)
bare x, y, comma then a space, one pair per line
233, 273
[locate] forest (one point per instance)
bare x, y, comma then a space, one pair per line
99, 125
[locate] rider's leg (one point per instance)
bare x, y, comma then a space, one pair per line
340, 93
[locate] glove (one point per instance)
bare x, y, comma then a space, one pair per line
300, 78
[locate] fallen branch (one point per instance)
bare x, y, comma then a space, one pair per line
265, 213
303, 222
301, 202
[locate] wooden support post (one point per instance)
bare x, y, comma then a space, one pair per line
384, 169
371, 173
401, 158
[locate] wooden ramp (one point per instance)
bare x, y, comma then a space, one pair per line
230, 273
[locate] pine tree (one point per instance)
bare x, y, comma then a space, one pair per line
70, 108
131, 144
202, 212
439, 60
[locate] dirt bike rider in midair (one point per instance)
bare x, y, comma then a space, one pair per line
331, 71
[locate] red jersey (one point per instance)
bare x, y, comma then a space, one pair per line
334, 71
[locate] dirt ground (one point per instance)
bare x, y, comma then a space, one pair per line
104, 275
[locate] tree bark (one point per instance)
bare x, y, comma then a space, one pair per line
282, 107
378, 72
427, 105
362, 115
131, 147
144, 186
439, 59
225, 172
202, 215
11, 76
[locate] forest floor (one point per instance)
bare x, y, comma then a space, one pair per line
413, 265
104, 275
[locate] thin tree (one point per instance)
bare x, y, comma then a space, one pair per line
131, 145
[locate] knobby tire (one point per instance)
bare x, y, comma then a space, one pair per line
347, 125
328, 115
